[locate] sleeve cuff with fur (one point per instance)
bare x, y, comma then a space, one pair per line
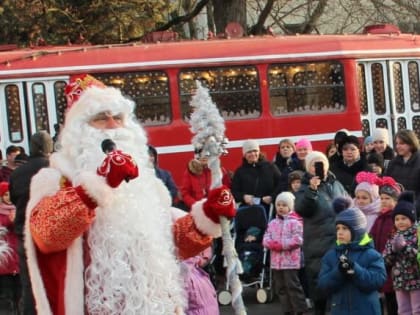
203, 222
95, 187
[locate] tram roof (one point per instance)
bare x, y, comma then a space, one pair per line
64, 60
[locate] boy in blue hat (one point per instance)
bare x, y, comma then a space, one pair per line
353, 271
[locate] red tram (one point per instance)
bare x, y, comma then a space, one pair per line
267, 88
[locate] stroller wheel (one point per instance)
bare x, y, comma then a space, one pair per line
224, 297
264, 296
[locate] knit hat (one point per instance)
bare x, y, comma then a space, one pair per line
405, 206
294, 175
348, 140
339, 135
367, 181
368, 140
288, 198
351, 217
4, 187
316, 156
380, 134
250, 145
40, 144
388, 186
303, 143
376, 158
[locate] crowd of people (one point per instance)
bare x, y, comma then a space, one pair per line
343, 237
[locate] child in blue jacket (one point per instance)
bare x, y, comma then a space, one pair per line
353, 271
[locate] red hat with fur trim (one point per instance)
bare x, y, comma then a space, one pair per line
77, 85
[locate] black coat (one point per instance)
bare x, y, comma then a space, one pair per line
20, 180
347, 174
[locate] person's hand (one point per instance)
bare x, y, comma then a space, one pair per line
118, 166
398, 243
219, 203
274, 245
314, 182
345, 265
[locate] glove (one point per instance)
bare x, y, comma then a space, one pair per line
118, 166
274, 245
219, 203
345, 265
398, 243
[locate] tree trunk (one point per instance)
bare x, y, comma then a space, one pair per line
225, 11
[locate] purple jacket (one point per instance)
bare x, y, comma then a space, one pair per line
201, 295
288, 231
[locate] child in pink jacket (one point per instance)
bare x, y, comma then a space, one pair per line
201, 295
284, 238
9, 262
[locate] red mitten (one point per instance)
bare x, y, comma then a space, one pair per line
118, 166
219, 203
274, 245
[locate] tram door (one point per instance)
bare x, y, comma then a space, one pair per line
29, 106
389, 95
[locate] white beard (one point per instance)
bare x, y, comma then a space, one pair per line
133, 269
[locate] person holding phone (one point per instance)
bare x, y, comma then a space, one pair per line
314, 204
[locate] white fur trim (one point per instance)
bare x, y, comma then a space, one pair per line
204, 223
74, 296
177, 213
96, 187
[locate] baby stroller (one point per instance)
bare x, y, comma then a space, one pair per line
249, 226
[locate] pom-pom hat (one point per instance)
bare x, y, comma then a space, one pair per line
288, 198
4, 187
367, 181
405, 206
388, 186
353, 218
250, 145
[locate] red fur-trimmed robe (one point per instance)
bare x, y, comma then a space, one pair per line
57, 272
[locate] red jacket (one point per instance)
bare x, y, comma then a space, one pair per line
196, 184
380, 232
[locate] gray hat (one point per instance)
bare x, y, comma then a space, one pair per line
40, 144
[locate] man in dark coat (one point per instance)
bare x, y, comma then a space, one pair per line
41, 146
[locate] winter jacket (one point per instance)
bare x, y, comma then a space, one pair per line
11, 263
353, 294
196, 182
381, 231
167, 179
405, 269
201, 294
259, 179
408, 174
319, 232
19, 182
347, 174
288, 232
286, 166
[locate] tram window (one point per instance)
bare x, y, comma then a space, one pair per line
60, 100
398, 87
40, 107
149, 90
413, 76
361, 83
306, 88
378, 88
235, 90
14, 115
